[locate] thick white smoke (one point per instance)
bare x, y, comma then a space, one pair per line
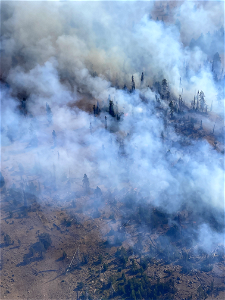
71, 55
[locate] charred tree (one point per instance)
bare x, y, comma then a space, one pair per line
105, 122
132, 84
142, 78
165, 90
171, 105
111, 108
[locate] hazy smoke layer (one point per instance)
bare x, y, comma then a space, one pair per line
58, 59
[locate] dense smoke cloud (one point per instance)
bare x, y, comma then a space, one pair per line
34, 34
68, 56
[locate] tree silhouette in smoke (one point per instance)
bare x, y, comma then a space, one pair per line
142, 77
202, 100
132, 84
54, 137
98, 192
216, 65
165, 90
49, 114
111, 108
86, 184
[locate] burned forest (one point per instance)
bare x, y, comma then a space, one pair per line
112, 150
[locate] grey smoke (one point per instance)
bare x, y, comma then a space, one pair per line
66, 53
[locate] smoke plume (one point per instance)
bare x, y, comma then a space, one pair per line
58, 59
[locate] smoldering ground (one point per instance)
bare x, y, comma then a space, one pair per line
56, 55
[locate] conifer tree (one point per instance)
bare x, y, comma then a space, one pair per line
171, 109
111, 108
86, 184
49, 114
197, 105
97, 109
98, 192
216, 65
193, 103
132, 84
164, 91
202, 100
